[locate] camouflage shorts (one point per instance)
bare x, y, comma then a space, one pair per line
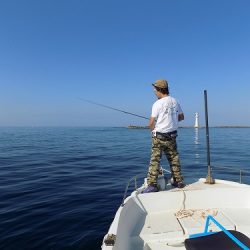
169, 148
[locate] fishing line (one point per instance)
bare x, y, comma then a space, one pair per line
109, 107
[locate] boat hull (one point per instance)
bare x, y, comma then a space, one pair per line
163, 220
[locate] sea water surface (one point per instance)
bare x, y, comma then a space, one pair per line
60, 187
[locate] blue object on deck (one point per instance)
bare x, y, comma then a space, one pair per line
189, 243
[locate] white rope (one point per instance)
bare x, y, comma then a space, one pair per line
194, 213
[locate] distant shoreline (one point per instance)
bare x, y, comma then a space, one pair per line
223, 126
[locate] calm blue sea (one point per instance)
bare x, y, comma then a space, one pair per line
60, 187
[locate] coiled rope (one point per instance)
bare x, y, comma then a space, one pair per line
194, 213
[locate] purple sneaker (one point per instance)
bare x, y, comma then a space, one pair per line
150, 189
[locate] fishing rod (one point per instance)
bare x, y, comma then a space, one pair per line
109, 107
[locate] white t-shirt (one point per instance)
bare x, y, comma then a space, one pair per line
166, 111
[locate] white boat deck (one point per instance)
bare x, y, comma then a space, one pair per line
163, 220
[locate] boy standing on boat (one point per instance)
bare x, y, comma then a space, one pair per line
166, 113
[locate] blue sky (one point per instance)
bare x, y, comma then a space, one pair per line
54, 52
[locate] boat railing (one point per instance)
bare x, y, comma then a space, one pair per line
135, 180
242, 172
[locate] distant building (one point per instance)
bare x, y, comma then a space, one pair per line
196, 124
